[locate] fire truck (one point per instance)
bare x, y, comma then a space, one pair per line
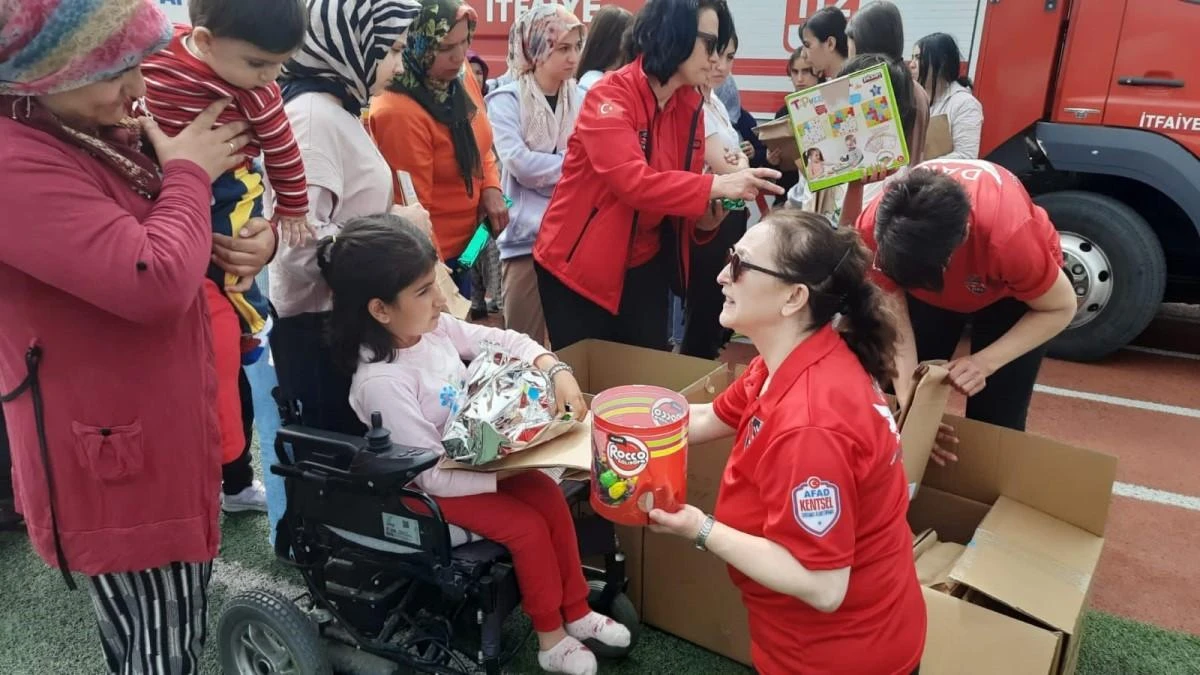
1093, 103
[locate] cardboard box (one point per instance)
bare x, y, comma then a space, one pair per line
1031, 513
777, 135
691, 595
602, 365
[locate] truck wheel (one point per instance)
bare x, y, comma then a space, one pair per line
1116, 265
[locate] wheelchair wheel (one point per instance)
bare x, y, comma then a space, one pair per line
264, 633
622, 611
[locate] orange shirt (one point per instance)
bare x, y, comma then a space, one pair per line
410, 139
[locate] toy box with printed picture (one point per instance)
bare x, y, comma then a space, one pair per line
845, 126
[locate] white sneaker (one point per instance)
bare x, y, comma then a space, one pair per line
253, 498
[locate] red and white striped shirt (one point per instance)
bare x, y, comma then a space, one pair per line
180, 86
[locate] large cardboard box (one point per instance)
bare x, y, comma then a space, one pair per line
602, 365
688, 592
1031, 513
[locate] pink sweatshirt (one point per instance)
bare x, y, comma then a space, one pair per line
417, 390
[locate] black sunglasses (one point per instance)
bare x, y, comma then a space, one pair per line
737, 266
710, 41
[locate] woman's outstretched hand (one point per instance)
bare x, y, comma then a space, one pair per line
746, 184
216, 150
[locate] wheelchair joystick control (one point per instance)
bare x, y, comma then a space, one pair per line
378, 438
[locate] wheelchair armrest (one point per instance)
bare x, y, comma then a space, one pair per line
393, 469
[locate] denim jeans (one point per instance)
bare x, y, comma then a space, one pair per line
266, 423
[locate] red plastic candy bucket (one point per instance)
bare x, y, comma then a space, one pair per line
639, 452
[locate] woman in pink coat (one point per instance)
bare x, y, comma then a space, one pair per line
106, 361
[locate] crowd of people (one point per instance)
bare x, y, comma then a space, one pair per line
607, 166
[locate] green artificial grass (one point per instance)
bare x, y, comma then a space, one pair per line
47, 630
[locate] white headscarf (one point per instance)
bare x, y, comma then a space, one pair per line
531, 40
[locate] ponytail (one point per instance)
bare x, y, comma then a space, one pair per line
832, 263
870, 331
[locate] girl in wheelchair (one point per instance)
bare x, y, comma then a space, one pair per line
389, 327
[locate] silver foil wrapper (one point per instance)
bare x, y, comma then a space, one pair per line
508, 405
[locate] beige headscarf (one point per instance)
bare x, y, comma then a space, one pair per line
532, 39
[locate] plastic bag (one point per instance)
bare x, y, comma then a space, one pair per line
509, 406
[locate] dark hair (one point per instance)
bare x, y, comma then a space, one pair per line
474, 57
795, 56
877, 29
829, 22
629, 48
833, 263
940, 61
602, 48
902, 86
372, 257
920, 221
665, 33
275, 26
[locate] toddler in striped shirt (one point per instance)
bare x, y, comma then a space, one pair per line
234, 50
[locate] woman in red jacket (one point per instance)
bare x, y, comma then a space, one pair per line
106, 358
811, 512
632, 180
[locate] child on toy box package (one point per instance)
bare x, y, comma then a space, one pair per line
391, 329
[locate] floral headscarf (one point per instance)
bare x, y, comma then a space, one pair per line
445, 101
51, 46
531, 41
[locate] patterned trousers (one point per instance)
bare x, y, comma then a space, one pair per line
153, 622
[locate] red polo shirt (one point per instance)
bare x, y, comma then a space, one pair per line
1011, 249
816, 469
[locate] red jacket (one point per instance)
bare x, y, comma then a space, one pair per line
108, 285
587, 239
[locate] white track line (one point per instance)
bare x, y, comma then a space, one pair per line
1146, 494
1163, 352
1119, 401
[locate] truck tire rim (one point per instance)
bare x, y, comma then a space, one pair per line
1090, 273
260, 651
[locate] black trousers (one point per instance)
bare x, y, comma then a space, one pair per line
703, 334
239, 474
641, 318
1005, 400
308, 376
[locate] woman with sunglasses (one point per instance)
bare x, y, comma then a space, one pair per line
632, 199
810, 516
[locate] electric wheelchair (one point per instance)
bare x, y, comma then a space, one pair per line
391, 586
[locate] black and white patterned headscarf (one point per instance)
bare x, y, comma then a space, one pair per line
345, 42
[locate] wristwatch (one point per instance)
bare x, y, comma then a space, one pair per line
705, 530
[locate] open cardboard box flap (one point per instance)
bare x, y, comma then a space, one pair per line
1032, 562
920, 419
989, 642
1032, 512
